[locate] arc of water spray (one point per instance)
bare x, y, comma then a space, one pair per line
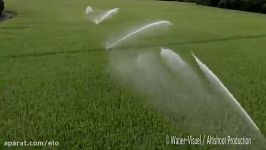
139, 30
211, 76
107, 14
88, 10
172, 59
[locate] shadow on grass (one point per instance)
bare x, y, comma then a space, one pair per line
13, 56
51, 53
201, 41
7, 15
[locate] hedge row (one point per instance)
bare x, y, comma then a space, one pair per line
244, 5
2, 6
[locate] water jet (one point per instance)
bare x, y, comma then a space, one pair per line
217, 82
139, 30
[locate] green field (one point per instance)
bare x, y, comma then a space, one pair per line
54, 77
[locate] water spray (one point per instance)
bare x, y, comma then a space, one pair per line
141, 29
215, 80
88, 10
106, 15
172, 60
98, 16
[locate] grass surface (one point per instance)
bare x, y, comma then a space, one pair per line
55, 82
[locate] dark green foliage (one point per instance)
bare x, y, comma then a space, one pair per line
208, 2
263, 8
1, 6
245, 5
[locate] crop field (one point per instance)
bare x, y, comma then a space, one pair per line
55, 80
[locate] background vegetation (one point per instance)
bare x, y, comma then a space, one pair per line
245, 5
1, 6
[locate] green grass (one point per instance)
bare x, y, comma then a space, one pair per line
55, 83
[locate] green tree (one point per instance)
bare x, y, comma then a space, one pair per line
2, 6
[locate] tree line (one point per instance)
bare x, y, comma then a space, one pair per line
244, 5
2, 6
